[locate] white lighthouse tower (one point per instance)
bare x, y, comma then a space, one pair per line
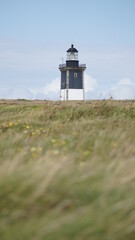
72, 77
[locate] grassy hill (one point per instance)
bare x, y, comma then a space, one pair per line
67, 170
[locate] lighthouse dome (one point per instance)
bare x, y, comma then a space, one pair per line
72, 49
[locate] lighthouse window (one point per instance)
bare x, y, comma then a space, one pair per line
75, 75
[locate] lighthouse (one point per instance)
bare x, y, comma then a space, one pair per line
72, 77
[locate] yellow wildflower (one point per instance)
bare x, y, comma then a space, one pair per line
64, 142
10, 124
33, 149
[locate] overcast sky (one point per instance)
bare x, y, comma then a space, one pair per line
35, 35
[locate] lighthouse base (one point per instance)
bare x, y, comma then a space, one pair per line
73, 94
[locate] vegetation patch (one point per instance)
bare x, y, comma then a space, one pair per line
67, 170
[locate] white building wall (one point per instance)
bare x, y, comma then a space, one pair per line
73, 94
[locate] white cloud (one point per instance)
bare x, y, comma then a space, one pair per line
52, 87
40, 96
16, 93
90, 83
124, 89
125, 81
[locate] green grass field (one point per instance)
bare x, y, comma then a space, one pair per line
67, 170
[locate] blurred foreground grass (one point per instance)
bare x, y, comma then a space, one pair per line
67, 170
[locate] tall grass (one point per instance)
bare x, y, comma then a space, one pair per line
67, 170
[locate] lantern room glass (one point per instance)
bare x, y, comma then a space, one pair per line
73, 56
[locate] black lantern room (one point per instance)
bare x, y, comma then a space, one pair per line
72, 74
